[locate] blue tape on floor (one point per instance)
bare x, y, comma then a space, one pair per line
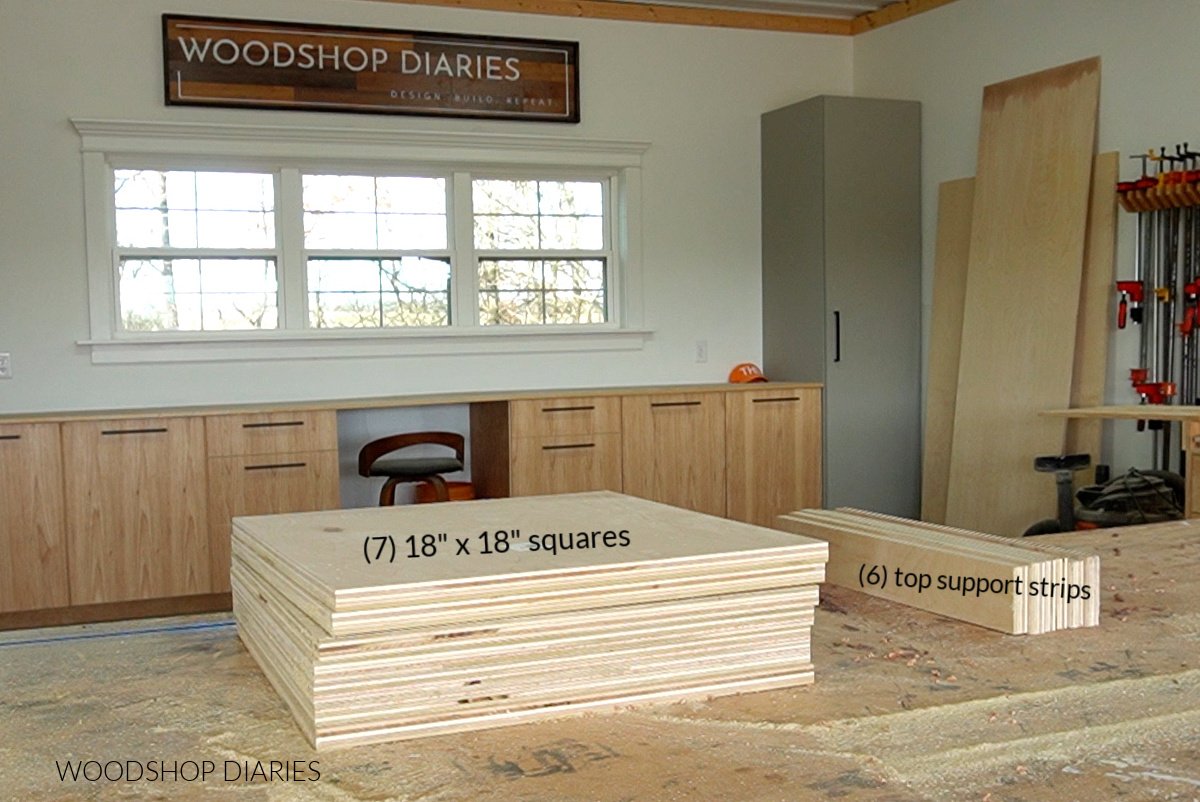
119, 633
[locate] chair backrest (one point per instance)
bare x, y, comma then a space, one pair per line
386, 445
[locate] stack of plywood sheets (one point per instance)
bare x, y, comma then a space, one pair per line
1015, 586
650, 602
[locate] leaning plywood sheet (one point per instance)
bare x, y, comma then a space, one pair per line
1028, 227
955, 199
1091, 333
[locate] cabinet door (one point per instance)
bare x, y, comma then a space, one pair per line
264, 485
33, 553
773, 440
136, 510
673, 449
566, 464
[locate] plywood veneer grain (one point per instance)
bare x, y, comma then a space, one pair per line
1021, 306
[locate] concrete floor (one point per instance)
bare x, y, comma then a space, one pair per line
907, 706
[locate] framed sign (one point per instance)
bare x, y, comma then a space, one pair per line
281, 65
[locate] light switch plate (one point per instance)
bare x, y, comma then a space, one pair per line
701, 350
5, 366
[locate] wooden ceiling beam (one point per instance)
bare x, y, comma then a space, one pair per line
648, 12
691, 15
892, 13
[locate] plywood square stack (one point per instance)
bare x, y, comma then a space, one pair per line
674, 605
1033, 587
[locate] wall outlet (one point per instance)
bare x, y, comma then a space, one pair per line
5, 366
701, 350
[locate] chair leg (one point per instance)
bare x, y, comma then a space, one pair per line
439, 486
387, 494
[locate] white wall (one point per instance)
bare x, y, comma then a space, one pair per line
694, 93
1150, 96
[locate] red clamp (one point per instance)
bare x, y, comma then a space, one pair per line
1130, 291
1155, 392
1191, 308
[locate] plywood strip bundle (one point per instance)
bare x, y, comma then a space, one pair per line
676, 606
1015, 586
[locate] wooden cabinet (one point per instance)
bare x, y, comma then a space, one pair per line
773, 447
33, 553
266, 463
543, 446
673, 449
841, 285
136, 514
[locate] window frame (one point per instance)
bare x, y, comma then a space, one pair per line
290, 152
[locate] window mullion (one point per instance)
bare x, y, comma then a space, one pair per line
464, 274
289, 215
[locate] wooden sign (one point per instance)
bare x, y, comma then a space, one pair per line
274, 65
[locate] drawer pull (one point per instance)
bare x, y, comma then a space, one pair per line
276, 465
674, 403
10, 437
569, 409
154, 430
570, 445
774, 400
272, 424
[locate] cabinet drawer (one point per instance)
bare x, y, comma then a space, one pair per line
550, 417
264, 485
271, 433
570, 464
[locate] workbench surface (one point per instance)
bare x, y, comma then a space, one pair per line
906, 706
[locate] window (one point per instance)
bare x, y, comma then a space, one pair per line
376, 251
196, 250
204, 241
542, 250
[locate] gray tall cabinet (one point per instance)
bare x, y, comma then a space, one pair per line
841, 281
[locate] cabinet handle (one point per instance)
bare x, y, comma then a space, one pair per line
774, 400
571, 445
837, 336
674, 403
277, 465
10, 437
154, 430
272, 424
568, 409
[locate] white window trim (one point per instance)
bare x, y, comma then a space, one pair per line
107, 141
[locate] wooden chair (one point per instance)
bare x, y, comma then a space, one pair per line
373, 460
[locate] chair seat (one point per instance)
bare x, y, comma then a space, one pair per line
415, 467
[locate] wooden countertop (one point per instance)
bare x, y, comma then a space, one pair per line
392, 401
1130, 411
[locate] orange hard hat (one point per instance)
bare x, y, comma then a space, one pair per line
746, 372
